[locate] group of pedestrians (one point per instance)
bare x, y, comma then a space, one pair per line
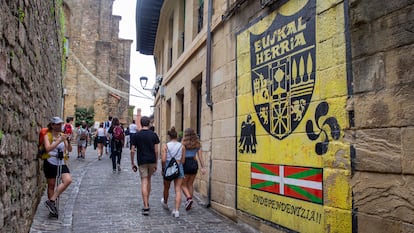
56, 143
144, 152
144, 148
81, 133
110, 135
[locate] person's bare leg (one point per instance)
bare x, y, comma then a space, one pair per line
99, 149
166, 190
149, 184
184, 187
66, 181
50, 187
144, 191
190, 184
177, 187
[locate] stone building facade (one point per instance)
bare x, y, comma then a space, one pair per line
98, 61
304, 107
30, 93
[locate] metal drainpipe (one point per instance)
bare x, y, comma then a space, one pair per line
208, 59
208, 87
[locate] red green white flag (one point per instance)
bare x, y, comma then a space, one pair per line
303, 183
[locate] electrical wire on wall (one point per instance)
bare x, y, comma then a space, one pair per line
122, 94
127, 82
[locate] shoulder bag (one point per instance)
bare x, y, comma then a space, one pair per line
171, 171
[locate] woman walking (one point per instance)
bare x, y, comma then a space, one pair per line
173, 149
192, 154
100, 135
117, 142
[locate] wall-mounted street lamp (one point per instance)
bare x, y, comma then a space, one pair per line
143, 81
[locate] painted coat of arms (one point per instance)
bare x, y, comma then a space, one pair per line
283, 71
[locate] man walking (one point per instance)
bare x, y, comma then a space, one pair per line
145, 143
132, 128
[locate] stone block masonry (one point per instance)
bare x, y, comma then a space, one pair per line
96, 54
30, 93
382, 51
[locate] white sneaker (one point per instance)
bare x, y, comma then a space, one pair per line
175, 213
164, 205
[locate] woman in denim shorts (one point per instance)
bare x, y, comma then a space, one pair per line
173, 149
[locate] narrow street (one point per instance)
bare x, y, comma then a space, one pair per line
101, 201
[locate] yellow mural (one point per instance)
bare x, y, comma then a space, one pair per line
293, 164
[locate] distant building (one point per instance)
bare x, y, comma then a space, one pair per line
98, 61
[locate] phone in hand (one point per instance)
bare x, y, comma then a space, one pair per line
135, 168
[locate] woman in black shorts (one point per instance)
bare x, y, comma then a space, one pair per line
56, 143
193, 156
100, 136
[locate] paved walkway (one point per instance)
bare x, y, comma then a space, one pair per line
101, 201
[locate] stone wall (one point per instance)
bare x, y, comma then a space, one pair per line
30, 93
382, 39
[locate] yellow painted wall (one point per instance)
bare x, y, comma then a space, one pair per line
292, 84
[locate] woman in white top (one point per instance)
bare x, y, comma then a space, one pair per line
56, 143
173, 149
100, 135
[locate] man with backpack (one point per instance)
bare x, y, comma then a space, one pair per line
68, 129
83, 136
117, 142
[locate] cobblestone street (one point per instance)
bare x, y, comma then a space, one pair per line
101, 201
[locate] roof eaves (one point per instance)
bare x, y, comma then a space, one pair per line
147, 16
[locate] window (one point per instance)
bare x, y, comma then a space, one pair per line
200, 15
199, 101
170, 39
196, 104
168, 114
179, 110
170, 52
182, 27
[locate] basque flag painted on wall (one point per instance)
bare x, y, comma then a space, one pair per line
303, 183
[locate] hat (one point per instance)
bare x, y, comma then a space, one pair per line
56, 120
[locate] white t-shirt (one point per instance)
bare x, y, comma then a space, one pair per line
174, 149
101, 132
53, 155
132, 128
